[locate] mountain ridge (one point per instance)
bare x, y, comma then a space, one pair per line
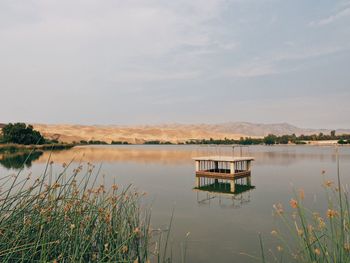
173, 132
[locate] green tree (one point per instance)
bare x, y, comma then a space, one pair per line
21, 133
320, 136
270, 139
333, 133
284, 139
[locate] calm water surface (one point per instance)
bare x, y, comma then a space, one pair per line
222, 227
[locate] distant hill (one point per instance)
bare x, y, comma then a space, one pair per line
259, 129
171, 132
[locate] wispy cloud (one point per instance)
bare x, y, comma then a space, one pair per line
253, 69
140, 75
270, 63
330, 19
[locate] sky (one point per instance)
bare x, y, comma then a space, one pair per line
184, 61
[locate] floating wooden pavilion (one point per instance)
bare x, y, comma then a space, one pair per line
222, 169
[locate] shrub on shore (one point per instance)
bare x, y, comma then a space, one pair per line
119, 142
341, 141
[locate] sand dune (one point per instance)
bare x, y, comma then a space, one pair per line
133, 134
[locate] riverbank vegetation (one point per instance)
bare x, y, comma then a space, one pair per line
157, 142
19, 137
13, 148
313, 236
69, 218
83, 142
272, 139
342, 141
119, 142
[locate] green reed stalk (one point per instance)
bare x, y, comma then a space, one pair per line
320, 238
48, 219
262, 249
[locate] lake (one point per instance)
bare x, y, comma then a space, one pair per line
223, 227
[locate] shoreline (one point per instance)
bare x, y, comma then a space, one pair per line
12, 147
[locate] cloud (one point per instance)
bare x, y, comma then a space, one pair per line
253, 69
163, 39
270, 64
140, 75
309, 111
328, 20
306, 53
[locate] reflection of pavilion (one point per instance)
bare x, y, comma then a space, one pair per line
221, 192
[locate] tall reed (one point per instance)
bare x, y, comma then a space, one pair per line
315, 236
69, 218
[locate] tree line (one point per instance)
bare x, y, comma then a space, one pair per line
272, 139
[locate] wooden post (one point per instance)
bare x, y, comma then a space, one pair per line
249, 180
197, 166
232, 182
232, 186
232, 168
249, 165
198, 182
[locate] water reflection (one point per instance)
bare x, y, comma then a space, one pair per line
219, 194
123, 154
177, 155
19, 159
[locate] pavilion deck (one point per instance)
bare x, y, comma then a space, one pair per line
223, 174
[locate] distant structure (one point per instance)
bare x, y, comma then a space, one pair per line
222, 170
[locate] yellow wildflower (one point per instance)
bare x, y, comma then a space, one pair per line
278, 208
124, 249
293, 203
274, 232
328, 183
347, 246
331, 213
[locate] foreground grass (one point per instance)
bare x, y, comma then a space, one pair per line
314, 236
68, 218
